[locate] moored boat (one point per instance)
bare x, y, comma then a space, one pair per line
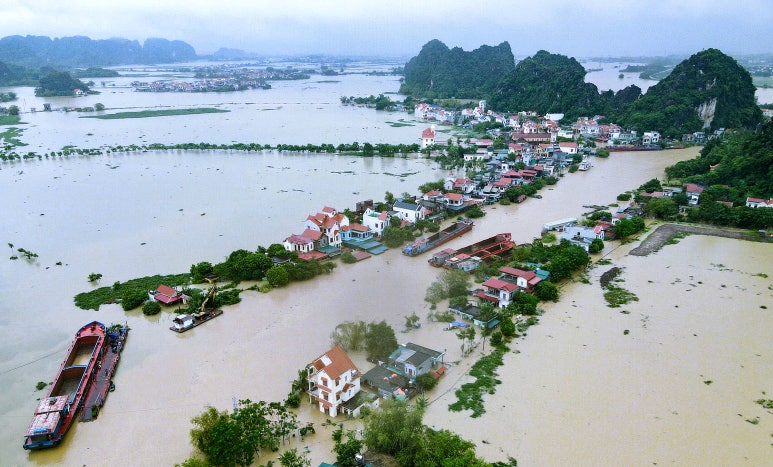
57, 411
425, 244
483, 249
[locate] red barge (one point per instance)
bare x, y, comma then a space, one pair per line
84, 375
483, 250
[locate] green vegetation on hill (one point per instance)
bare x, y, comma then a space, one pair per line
742, 167
705, 80
81, 51
59, 83
546, 83
440, 72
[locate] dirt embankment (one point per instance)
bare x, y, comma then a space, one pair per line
666, 232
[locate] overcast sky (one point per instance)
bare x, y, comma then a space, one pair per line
577, 28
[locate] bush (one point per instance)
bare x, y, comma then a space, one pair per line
624, 197
426, 381
546, 290
151, 308
277, 276
132, 298
348, 258
293, 400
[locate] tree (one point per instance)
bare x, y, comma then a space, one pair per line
662, 208
394, 430
546, 290
95, 277
350, 335
132, 298
346, 450
596, 246
467, 336
291, 458
216, 436
278, 276
199, 271
99, 106
13, 110
380, 341
151, 308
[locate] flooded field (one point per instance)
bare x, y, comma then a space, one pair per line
577, 387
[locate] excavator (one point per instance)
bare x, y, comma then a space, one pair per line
209, 298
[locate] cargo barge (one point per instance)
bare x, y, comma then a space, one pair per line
425, 244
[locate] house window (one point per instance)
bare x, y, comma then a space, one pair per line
324, 382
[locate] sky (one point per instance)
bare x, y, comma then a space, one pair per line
577, 28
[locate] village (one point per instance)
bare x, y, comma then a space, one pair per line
222, 78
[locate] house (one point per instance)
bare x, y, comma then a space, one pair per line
412, 360
476, 315
759, 203
525, 280
333, 380
167, 295
463, 184
329, 223
355, 231
375, 221
650, 137
693, 193
428, 137
298, 244
497, 291
581, 236
387, 382
409, 212
454, 200
568, 147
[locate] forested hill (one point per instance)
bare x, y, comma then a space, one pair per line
742, 161
548, 83
442, 72
708, 90
81, 51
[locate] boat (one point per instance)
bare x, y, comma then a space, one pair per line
438, 238
482, 250
585, 164
185, 322
56, 412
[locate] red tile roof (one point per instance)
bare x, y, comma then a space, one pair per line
499, 284
339, 363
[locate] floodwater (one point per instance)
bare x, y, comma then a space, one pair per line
131, 215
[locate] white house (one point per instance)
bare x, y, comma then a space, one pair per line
298, 244
525, 280
375, 221
497, 291
568, 147
650, 137
333, 380
759, 203
408, 211
428, 137
329, 223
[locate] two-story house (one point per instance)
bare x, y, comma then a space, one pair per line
333, 380
329, 223
375, 221
409, 212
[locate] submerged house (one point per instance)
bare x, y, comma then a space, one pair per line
167, 295
333, 380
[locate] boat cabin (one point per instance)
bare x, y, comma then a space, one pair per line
182, 321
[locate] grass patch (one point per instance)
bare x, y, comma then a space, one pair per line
604, 262
470, 395
398, 124
616, 296
765, 403
9, 119
157, 113
104, 295
11, 136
